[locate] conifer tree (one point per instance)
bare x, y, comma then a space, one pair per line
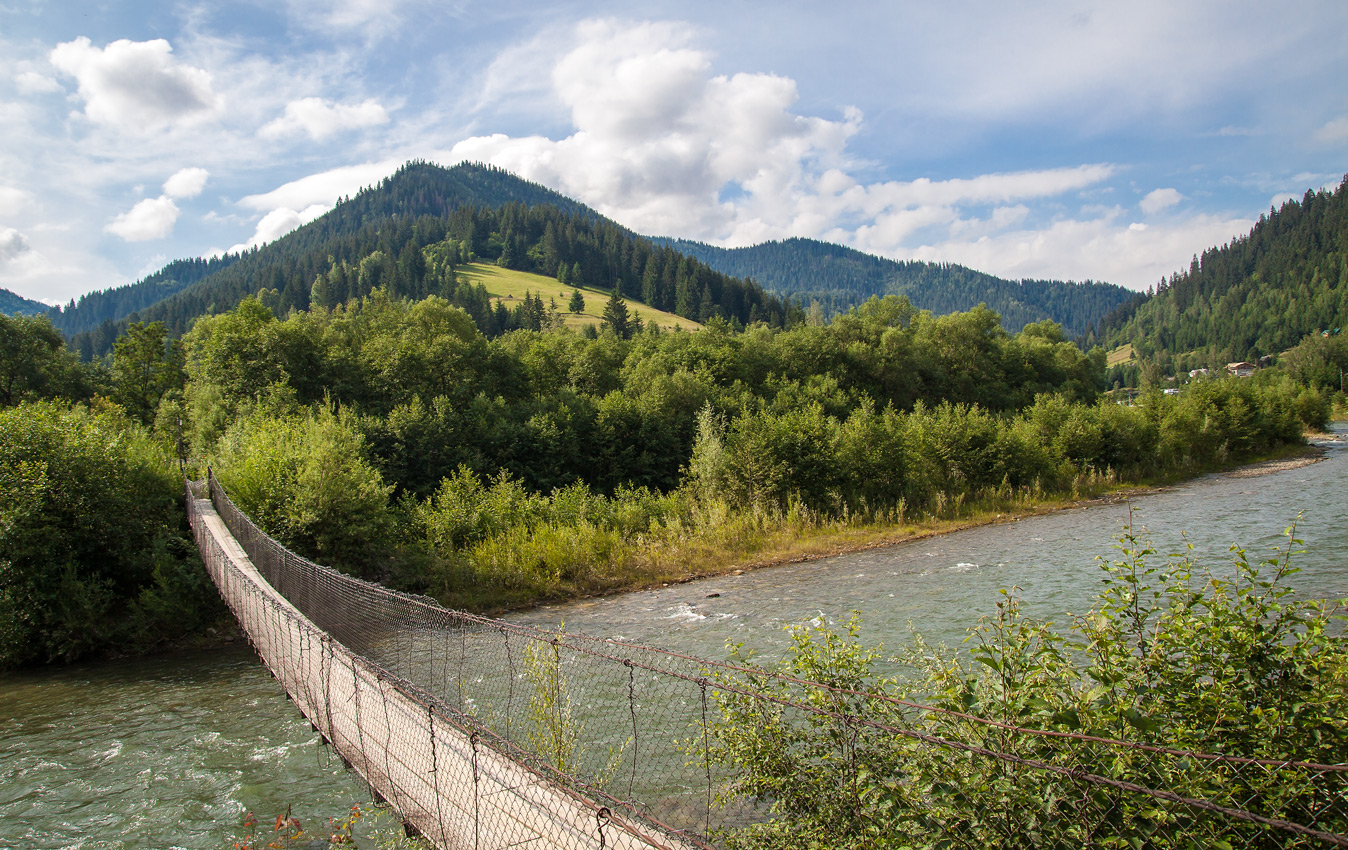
615, 315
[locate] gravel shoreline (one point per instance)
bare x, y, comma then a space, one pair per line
1269, 467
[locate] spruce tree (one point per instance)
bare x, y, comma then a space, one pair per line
615, 315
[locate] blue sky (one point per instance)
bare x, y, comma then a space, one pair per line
1074, 140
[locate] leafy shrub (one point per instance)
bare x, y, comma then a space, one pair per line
773, 457
1225, 662
304, 479
510, 538
93, 550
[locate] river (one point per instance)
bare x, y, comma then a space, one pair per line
169, 752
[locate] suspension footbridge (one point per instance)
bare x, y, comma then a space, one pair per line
486, 734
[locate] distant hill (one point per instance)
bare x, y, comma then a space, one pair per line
108, 305
494, 215
839, 278
11, 304
380, 238
1257, 295
418, 189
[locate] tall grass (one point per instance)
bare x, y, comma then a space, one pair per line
744, 499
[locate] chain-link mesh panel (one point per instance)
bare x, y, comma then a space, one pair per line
486, 733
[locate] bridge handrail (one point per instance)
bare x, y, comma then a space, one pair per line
287, 640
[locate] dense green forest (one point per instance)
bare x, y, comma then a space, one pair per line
109, 305
1258, 295
390, 436
12, 304
839, 278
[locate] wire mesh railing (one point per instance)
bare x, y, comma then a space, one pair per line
481, 732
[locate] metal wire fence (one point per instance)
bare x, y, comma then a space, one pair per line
484, 733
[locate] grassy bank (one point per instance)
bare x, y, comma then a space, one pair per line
764, 486
723, 541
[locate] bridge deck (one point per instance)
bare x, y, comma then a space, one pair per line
444, 780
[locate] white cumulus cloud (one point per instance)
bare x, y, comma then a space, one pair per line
186, 183
319, 118
659, 138
323, 188
1103, 248
301, 201
278, 223
1159, 199
668, 147
12, 244
135, 85
152, 218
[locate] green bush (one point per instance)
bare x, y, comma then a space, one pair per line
498, 534
304, 478
1170, 655
93, 549
773, 457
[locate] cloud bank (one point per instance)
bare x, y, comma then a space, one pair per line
135, 86
665, 145
1067, 140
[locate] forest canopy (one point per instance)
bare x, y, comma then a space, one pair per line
385, 432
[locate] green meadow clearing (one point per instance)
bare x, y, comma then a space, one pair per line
510, 286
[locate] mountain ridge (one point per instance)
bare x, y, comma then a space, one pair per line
798, 267
800, 271
379, 236
1259, 294
12, 303
441, 191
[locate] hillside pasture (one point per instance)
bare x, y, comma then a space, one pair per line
510, 287
1122, 354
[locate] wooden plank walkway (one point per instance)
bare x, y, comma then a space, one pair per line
444, 780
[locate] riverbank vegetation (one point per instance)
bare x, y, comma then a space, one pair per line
94, 549
391, 438
1013, 748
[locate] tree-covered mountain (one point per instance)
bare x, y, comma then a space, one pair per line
94, 308
418, 189
406, 235
1257, 295
12, 304
839, 278
418, 206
